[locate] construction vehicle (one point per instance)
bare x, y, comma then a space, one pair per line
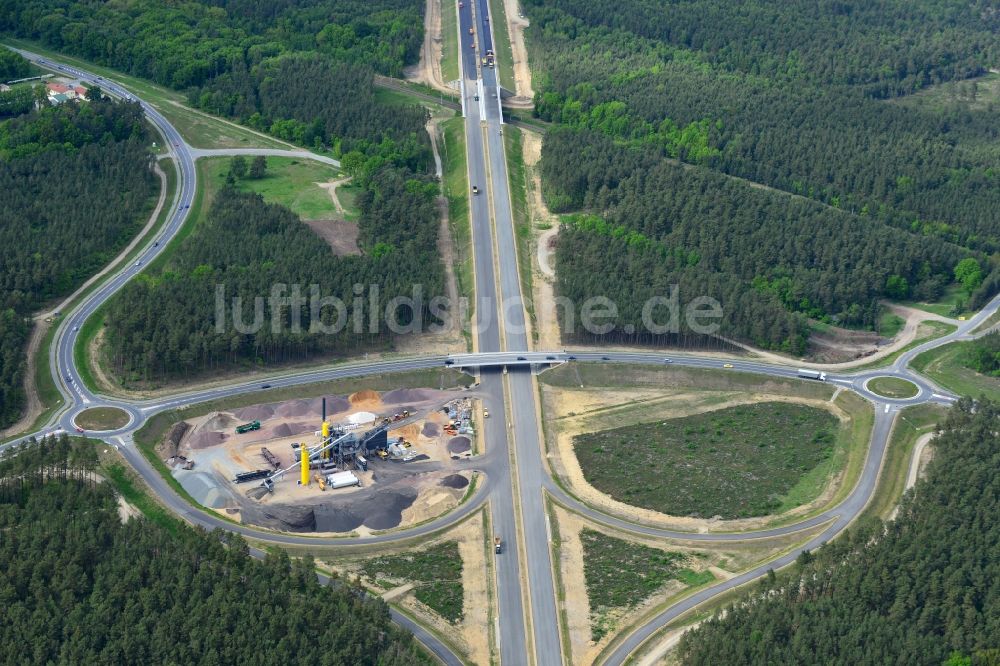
247, 427
382, 453
812, 374
318, 478
497, 545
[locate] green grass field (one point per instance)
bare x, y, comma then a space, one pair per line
521, 215
951, 303
290, 182
628, 375
889, 325
102, 418
736, 462
505, 52
893, 387
944, 366
435, 572
449, 42
456, 190
620, 574
199, 129
911, 424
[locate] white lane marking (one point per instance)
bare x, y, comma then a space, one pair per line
887, 409
942, 397
842, 381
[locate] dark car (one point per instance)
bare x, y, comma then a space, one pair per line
265, 386
521, 358
605, 358
550, 358
572, 358
449, 362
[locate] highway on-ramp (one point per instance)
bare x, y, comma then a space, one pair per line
515, 479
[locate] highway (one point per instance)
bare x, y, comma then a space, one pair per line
515, 478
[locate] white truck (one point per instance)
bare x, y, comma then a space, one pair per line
812, 374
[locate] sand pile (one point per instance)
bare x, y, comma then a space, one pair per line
219, 421
398, 396
255, 413
283, 430
334, 405
294, 408
203, 440
363, 396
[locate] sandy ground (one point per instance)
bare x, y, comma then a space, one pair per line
331, 187
340, 234
911, 330
543, 272
922, 454
723, 559
97, 369
475, 625
524, 93
577, 604
575, 411
393, 494
126, 511
33, 407
428, 70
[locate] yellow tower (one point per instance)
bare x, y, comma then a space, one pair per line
305, 463
326, 436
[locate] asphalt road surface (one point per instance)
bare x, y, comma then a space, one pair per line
504, 362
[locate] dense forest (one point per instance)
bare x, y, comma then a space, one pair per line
302, 98
80, 586
793, 99
983, 355
664, 223
12, 66
163, 325
300, 70
921, 589
75, 181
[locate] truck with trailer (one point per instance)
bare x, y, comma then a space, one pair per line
247, 427
812, 374
497, 544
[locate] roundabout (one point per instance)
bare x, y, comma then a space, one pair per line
514, 473
103, 419
893, 388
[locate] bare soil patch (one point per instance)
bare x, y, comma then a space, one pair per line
340, 235
525, 94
